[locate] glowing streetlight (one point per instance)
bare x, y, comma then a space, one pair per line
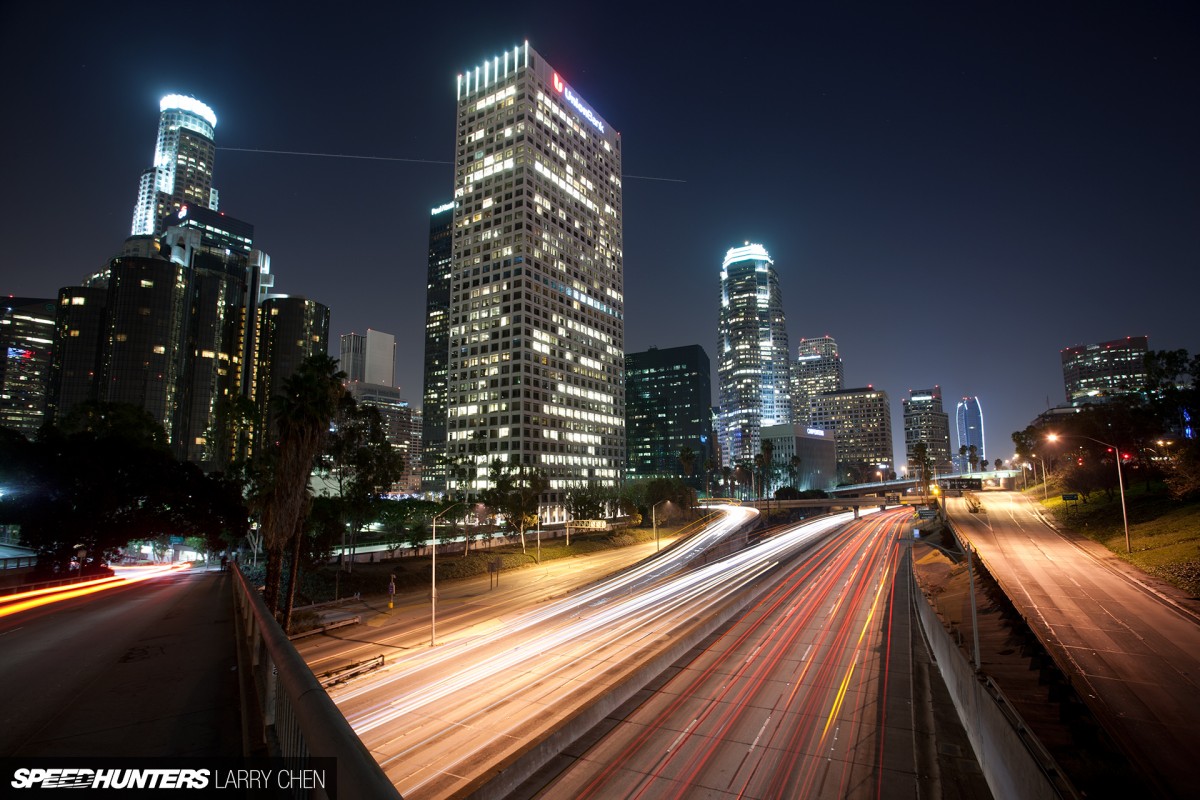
1054, 437
433, 574
1041, 461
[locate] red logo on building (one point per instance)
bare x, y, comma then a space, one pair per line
558, 83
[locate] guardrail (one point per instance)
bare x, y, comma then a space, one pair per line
286, 711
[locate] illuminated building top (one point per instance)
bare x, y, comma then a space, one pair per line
190, 104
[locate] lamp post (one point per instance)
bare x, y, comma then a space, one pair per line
654, 522
966, 548
433, 576
1041, 461
1120, 479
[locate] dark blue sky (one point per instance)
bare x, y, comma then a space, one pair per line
954, 192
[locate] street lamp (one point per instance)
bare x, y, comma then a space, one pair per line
1042, 461
966, 548
1120, 479
433, 576
654, 522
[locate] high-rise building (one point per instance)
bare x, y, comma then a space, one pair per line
668, 396
925, 421
289, 330
536, 351
437, 347
403, 428
861, 423
26, 344
968, 418
369, 358
753, 365
79, 328
1101, 370
816, 370
183, 164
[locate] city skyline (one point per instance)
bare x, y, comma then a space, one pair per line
954, 212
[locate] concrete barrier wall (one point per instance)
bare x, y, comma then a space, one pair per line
1009, 767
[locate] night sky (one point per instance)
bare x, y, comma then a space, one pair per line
953, 193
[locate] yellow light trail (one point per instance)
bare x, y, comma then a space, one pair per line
24, 601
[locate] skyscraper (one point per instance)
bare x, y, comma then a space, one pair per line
437, 345
816, 370
861, 422
289, 330
26, 345
926, 422
668, 397
1105, 369
753, 366
536, 351
183, 164
968, 418
369, 358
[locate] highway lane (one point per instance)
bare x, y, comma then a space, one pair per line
791, 701
439, 721
1133, 656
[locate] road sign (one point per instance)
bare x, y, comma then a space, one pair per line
926, 513
893, 499
1070, 496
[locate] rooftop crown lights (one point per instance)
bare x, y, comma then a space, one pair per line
754, 252
184, 103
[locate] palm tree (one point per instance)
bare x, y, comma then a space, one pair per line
794, 470
687, 460
302, 414
768, 454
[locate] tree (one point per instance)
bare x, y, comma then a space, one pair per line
587, 502
514, 495
687, 459
768, 467
302, 413
794, 464
973, 457
361, 463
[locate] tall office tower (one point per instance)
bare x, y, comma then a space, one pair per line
221, 298
79, 327
437, 345
536, 362
667, 410
753, 367
1093, 371
289, 330
861, 422
926, 421
183, 164
369, 358
816, 370
26, 344
968, 418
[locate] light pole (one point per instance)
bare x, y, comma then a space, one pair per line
1041, 461
433, 576
971, 580
1120, 480
654, 522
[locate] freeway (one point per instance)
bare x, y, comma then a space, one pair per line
440, 721
791, 701
1133, 655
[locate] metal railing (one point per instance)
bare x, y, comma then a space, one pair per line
288, 713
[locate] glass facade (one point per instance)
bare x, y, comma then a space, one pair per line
26, 344
437, 345
816, 370
861, 423
183, 165
968, 418
535, 372
753, 366
668, 396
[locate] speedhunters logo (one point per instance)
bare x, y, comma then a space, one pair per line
170, 777
73, 778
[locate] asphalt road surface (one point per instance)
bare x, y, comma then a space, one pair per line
1132, 654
